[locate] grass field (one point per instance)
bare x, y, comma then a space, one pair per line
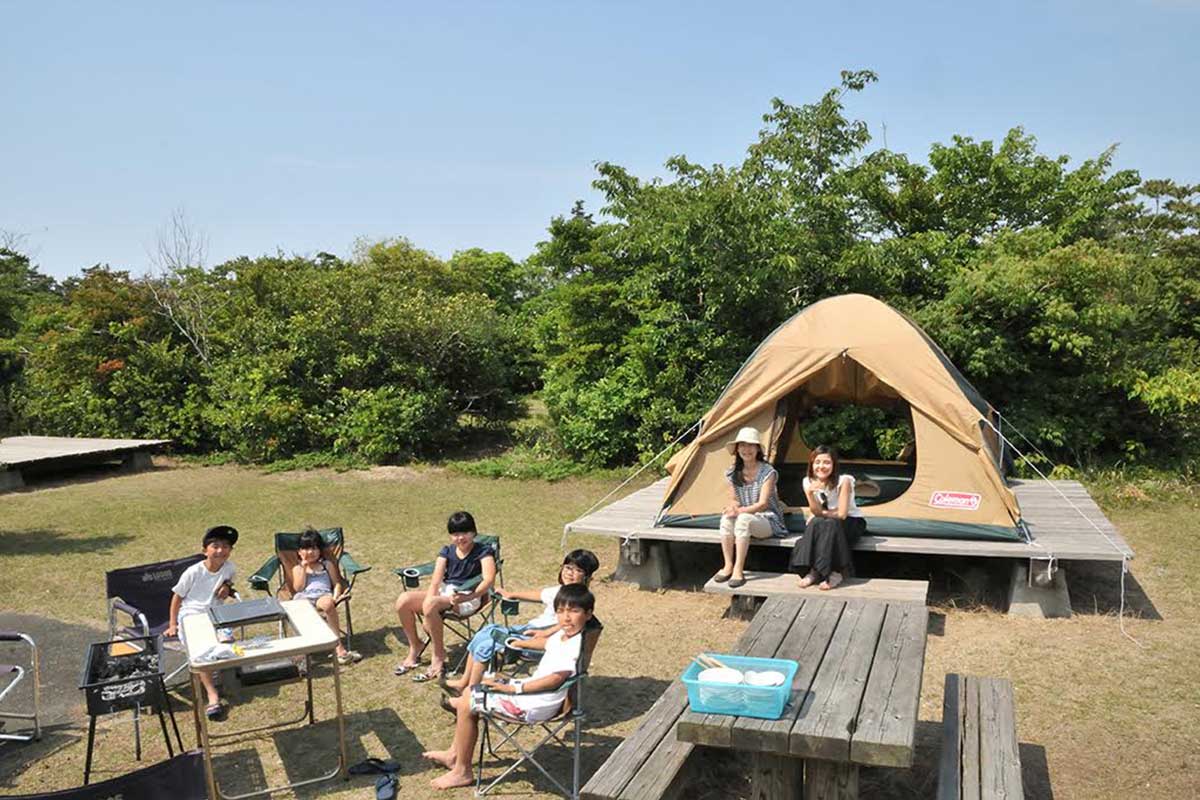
1099, 715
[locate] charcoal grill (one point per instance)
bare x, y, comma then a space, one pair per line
126, 675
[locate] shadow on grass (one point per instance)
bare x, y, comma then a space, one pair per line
1095, 588
59, 475
48, 542
308, 751
557, 759
238, 771
16, 757
374, 642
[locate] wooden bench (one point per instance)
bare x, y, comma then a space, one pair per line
650, 762
980, 758
766, 584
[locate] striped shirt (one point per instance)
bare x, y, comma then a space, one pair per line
748, 494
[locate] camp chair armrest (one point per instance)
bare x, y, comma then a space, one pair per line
416, 570
135, 615
350, 567
569, 682
261, 579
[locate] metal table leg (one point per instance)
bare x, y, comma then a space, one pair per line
202, 736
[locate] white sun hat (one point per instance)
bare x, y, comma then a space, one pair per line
747, 435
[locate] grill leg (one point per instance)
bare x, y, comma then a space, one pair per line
87, 765
162, 720
171, 712
137, 733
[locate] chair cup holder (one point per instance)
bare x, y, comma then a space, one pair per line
412, 578
510, 608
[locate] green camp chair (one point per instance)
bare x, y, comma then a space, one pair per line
287, 546
464, 626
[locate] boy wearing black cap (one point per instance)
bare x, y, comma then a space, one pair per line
200, 586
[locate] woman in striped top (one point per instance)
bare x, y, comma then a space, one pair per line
753, 509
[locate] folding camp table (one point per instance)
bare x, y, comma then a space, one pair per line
309, 635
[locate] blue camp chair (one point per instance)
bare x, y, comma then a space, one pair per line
287, 556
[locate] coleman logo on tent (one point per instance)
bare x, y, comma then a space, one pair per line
961, 501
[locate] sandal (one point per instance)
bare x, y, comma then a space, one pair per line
428, 675
447, 705
373, 766
385, 787
831, 582
415, 654
350, 657
214, 711
809, 579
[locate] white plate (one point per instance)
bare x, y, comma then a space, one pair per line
766, 678
721, 675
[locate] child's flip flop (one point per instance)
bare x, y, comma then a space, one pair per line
372, 766
385, 787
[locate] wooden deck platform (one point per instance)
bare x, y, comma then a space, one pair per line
44, 453
1059, 530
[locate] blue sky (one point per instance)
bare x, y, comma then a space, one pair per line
303, 126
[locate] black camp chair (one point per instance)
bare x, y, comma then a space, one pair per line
463, 626
509, 731
287, 555
19, 672
143, 595
179, 778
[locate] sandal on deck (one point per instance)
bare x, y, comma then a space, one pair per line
809, 579
831, 582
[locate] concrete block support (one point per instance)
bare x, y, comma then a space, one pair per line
11, 479
648, 564
1045, 602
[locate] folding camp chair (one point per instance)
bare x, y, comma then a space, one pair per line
19, 672
287, 556
464, 626
506, 657
572, 714
143, 594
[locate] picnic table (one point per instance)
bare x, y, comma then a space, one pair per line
854, 699
309, 635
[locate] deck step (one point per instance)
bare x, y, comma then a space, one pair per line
765, 584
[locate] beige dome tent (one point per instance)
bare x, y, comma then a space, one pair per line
854, 349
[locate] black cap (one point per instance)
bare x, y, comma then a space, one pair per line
227, 532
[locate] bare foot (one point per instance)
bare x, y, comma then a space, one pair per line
452, 780
444, 757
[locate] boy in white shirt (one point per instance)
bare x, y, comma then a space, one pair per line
200, 586
573, 606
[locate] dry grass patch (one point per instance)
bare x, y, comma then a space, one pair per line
1098, 715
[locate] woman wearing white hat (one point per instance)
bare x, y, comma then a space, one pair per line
753, 510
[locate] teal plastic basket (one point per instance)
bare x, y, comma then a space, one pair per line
740, 700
